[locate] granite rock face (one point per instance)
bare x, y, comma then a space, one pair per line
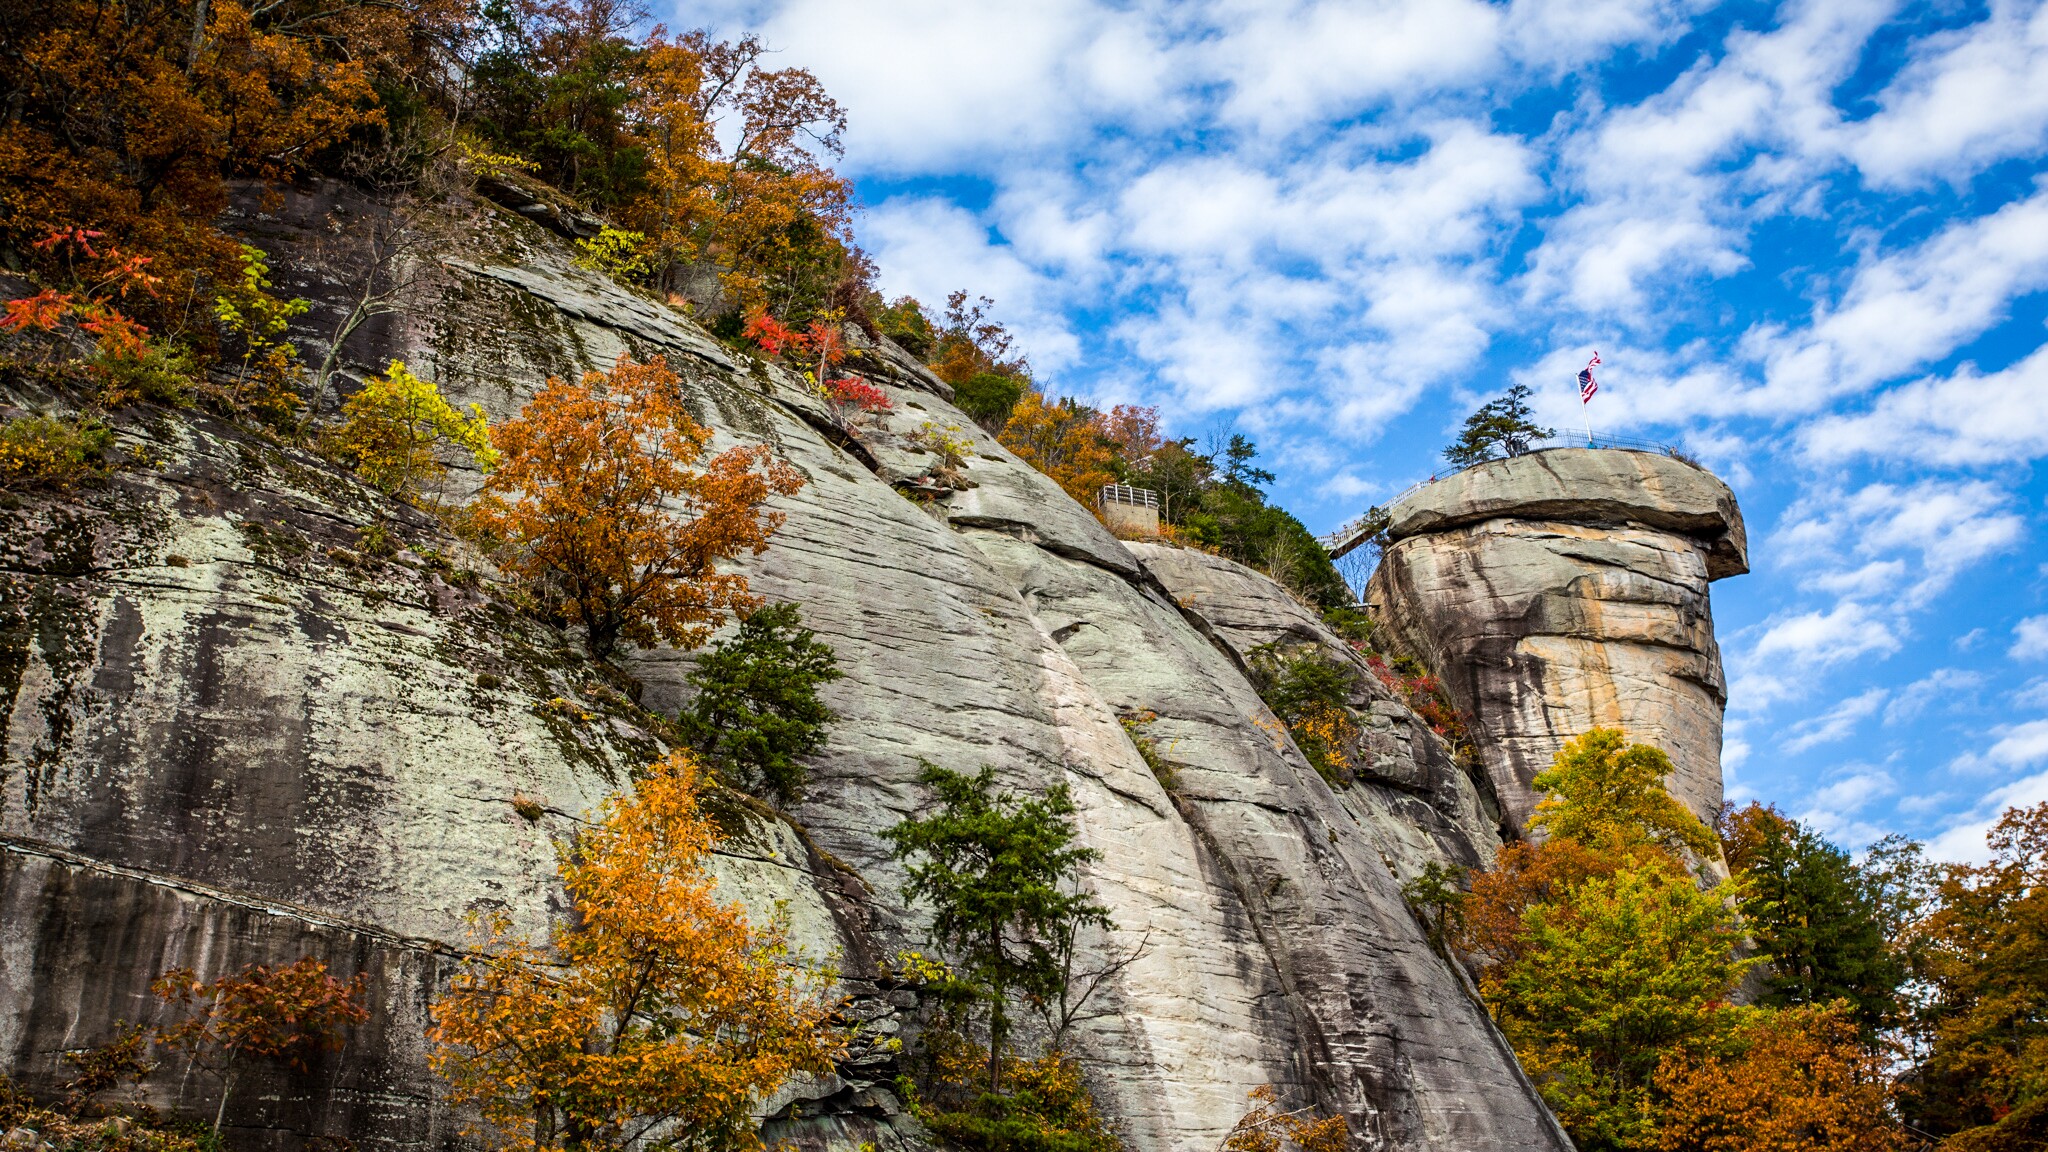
1565, 590
1410, 793
274, 745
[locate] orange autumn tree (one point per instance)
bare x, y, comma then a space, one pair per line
1983, 1028
1063, 439
1267, 1127
769, 210
596, 507
656, 1012
128, 119
1796, 1080
286, 1014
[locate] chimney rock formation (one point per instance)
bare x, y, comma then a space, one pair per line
1565, 590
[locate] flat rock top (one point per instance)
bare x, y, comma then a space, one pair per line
1586, 486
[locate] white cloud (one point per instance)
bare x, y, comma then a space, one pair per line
1968, 418
928, 247
1562, 32
1953, 685
942, 85
1665, 196
1965, 837
2030, 639
1836, 723
1833, 808
1971, 96
1856, 539
1906, 310
1292, 64
1775, 667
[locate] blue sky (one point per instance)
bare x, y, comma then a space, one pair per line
1809, 241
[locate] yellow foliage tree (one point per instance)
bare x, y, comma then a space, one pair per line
658, 1013
1064, 440
1622, 971
1606, 793
1603, 956
393, 428
595, 506
1267, 1127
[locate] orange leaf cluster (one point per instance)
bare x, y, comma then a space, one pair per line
285, 1014
133, 116
595, 506
1269, 1128
766, 208
657, 1009
1064, 440
1984, 958
1798, 1080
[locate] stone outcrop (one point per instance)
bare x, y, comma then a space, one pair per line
1564, 590
235, 735
1409, 793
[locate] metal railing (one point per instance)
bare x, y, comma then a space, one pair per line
1571, 440
1125, 494
1343, 539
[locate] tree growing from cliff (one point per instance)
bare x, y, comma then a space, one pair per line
596, 508
999, 871
1267, 1127
769, 211
1501, 427
975, 354
1063, 439
394, 427
287, 1015
1609, 795
657, 1012
1623, 972
757, 708
1311, 694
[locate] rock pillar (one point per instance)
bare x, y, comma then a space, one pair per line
1565, 590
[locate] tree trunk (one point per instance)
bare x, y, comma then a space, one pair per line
198, 37
227, 1088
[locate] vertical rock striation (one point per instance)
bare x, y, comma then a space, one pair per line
1565, 590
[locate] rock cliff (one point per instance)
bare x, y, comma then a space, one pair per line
1564, 590
233, 734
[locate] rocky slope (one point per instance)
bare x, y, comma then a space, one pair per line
232, 736
1565, 590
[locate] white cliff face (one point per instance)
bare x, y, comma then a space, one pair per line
1566, 590
356, 776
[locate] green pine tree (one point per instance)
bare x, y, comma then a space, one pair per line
998, 870
757, 708
1816, 915
1501, 427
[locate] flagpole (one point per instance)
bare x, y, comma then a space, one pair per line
1586, 389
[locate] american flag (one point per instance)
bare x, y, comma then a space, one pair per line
1586, 385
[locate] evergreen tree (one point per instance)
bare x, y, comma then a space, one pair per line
1501, 427
757, 706
1815, 914
1237, 463
989, 397
997, 870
